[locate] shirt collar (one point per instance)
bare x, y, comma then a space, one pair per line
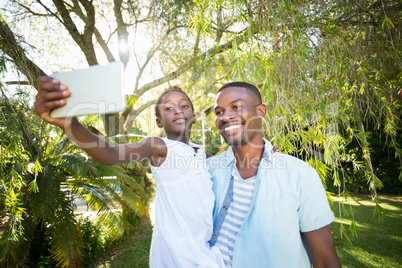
266, 155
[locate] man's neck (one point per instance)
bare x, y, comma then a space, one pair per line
248, 157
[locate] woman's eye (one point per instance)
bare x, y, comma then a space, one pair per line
218, 113
168, 108
185, 106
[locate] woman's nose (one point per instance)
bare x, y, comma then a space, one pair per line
177, 110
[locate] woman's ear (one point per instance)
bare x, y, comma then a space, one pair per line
159, 123
261, 110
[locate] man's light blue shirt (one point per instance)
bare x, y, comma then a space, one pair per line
288, 199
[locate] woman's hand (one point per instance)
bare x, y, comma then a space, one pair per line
51, 95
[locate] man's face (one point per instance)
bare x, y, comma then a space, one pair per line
238, 116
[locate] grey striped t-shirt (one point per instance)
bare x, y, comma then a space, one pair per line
242, 193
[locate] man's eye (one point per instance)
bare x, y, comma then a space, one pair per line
185, 106
168, 108
218, 113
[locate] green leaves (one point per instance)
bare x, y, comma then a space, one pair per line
39, 178
131, 99
328, 73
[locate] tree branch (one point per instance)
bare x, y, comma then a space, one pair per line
10, 46
89, 31
122, 33
33, 12
150, 55
84, 42
134, 113
209, 53
24, 83
98, 36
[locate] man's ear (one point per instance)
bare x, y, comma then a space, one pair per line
159, 123
262, 110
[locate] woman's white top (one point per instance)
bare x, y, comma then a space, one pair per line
183, 210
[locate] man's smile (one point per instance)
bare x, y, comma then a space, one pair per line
233, 127
230, 128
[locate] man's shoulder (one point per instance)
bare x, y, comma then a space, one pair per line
290, 158
220, 161
217, 156
288, 162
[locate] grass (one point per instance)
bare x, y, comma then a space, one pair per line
377, 244
132, 251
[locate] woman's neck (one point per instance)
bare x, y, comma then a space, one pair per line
181, 137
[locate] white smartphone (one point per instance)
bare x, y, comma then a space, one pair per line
98, 89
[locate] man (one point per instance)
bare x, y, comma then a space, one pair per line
271, 210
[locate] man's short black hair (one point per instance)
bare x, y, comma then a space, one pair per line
249, 87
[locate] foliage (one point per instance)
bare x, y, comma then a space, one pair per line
39, 255
386, 166
131, 251
384, 163
39, 173
329, 71
96, 240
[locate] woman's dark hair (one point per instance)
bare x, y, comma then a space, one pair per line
167, 91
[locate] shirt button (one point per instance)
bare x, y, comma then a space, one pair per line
213, 235
231, 178
225, 207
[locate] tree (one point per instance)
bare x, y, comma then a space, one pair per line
330, 74
329, 71
38, 173
167, 23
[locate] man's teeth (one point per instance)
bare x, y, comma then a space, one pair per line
233, 127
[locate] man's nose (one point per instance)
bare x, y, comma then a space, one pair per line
227, 116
